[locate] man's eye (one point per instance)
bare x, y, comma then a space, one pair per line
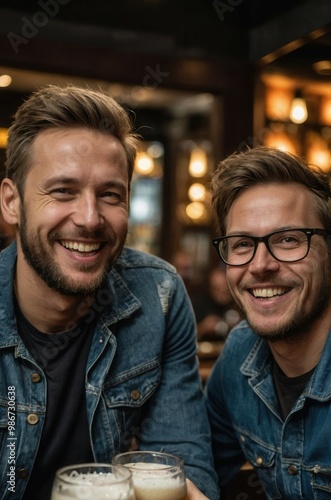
242, 244
289, 241
111, 195
61, 190
62, 193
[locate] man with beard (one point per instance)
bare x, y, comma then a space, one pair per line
270, 391
97, 341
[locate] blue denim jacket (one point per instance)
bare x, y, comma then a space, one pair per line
292, 458
141, 378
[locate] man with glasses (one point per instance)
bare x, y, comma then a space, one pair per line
269, 395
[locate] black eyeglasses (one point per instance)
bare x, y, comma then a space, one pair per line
287, 245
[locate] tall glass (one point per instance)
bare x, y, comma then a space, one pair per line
155, 475
93, 482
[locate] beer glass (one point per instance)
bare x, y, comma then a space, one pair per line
93, 482
155, 475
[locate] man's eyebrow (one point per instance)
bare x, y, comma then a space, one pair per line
63, 180
248, 233
59, 180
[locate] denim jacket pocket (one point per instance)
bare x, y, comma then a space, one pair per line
125, 396
321, 482
134, 387
263, 458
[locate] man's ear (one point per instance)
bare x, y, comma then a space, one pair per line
10, 202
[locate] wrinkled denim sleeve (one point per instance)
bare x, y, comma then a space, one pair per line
176, 419
228, 455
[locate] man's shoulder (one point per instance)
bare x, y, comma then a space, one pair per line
242, 349
8, 258
241, 339
135, 259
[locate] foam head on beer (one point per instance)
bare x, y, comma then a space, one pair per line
155, 475
104, 482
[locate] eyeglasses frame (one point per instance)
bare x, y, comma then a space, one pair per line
308, 231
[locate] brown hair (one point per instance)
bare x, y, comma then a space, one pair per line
263, 165
69, 106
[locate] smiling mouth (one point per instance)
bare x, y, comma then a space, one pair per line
268, 293
80, 247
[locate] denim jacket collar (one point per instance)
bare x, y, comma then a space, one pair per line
115, 293
8, 332
259, 363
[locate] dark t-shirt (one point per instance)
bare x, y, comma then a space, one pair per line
289, 389
65, 436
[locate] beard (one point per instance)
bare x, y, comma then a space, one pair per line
300, 321
42, 261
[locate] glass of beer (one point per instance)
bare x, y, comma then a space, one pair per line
93, 482
155, 475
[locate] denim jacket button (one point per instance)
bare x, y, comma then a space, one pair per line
32, 418
135, 394
35, 377
292, 470
22, 473
259, 461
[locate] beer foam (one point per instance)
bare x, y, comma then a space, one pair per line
92, 487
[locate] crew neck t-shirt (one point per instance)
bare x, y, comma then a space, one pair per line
289, 389
65, 435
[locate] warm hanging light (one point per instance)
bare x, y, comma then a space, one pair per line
3, 137
280, 140
325, 111
197, 192
144, 164
196, 210
198, 163
278, 103
318, 152
5, 80
298, 113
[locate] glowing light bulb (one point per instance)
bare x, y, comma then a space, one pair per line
144, 164
298, 113
5, 80
197, 192
3, 137
198, 163
196, 210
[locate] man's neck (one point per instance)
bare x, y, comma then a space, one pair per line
45, 308
300, 355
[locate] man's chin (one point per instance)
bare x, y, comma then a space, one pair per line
274, 333
75, 289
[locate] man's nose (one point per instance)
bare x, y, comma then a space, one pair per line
263, 261
88, 214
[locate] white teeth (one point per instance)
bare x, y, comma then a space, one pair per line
81, 247
268, 292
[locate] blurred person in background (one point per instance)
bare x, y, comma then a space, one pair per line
185, 266
269, 394
97, 341
215, 310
